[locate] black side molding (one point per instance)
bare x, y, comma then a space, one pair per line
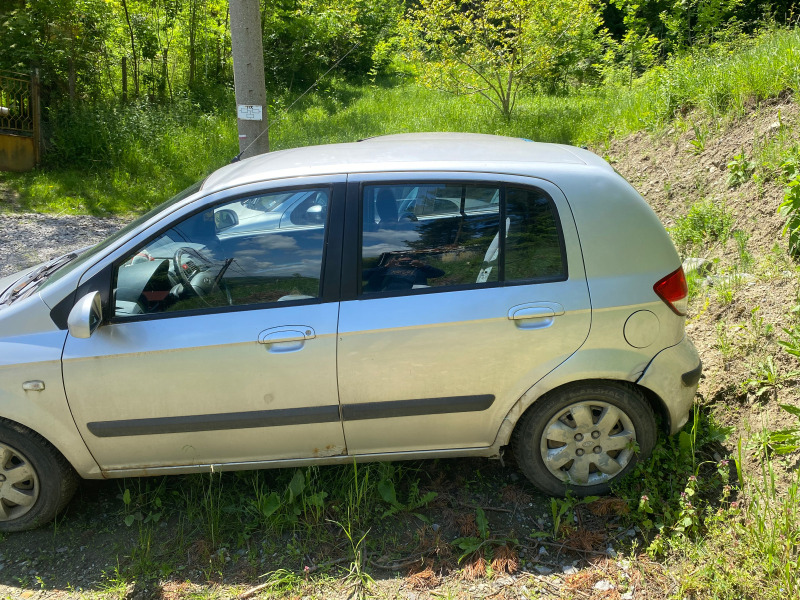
290, 416
690, 378
216, 422
412, 408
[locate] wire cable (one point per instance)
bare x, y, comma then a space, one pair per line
238, 157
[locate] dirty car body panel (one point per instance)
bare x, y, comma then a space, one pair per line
409, 296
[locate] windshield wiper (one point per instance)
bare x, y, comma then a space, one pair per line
16, 290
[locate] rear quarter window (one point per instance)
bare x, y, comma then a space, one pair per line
534, 246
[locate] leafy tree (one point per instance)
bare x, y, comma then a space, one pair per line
492, 47
638, 48
62, 38
304, 38
689, 21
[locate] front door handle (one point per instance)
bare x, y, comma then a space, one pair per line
288, 338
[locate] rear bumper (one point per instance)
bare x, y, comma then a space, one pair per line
673, 375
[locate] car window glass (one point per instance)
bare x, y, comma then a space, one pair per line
229, 255
445, 235
425, 236
533, 245
310, 208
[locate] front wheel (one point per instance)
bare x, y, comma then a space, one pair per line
36, 482
582, 437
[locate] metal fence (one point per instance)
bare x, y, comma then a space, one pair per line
17, 113
20, 143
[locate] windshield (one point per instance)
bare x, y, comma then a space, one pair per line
84, 257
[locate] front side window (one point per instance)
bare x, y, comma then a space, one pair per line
255, 250
446, 235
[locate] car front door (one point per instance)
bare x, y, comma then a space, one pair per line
220, 348
462, 292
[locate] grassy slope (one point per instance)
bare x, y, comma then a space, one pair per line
737, 316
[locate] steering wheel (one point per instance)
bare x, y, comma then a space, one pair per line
178, 265
209, 282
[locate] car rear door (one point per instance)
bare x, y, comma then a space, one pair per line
450, 314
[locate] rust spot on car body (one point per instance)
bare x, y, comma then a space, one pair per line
329, 450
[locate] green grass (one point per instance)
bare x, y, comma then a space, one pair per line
751, 546
115, 160
134, 160
288, 513
705, 222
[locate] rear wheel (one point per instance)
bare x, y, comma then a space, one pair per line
584, 436
36, 482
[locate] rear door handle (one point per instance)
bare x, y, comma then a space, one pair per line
288, 338
536, 315
535, 310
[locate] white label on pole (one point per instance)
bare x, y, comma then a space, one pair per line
249, 112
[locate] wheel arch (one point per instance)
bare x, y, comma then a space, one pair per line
63, 439
24, 429
41, 480
527, 402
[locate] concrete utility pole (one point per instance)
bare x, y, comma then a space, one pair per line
248, 76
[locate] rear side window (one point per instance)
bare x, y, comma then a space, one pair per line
533, 240
457, 235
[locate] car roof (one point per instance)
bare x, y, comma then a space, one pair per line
404, 152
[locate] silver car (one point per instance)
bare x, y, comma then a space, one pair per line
408, 296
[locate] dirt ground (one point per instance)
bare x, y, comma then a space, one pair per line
79, 555
672, 176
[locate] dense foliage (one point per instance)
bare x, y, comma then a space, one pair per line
181, 48
117, 72
178, 48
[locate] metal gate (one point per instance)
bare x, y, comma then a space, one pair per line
19, 121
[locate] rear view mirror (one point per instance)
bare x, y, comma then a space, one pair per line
85, 316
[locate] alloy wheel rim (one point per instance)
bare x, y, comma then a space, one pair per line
588, 443
19, 484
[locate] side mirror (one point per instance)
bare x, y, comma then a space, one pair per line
315, 214
85, 316
225, 218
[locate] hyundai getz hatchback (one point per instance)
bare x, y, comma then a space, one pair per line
408, 296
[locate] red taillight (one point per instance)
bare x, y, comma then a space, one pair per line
673, 290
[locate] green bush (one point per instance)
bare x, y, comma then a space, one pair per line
705, 222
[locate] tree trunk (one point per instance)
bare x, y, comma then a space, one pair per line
124, 79
71, 80
248, 76
133, 50
192, 40
162, 83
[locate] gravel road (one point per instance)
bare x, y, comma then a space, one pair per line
30, 238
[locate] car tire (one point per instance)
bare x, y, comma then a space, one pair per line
36, 481
581, 437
